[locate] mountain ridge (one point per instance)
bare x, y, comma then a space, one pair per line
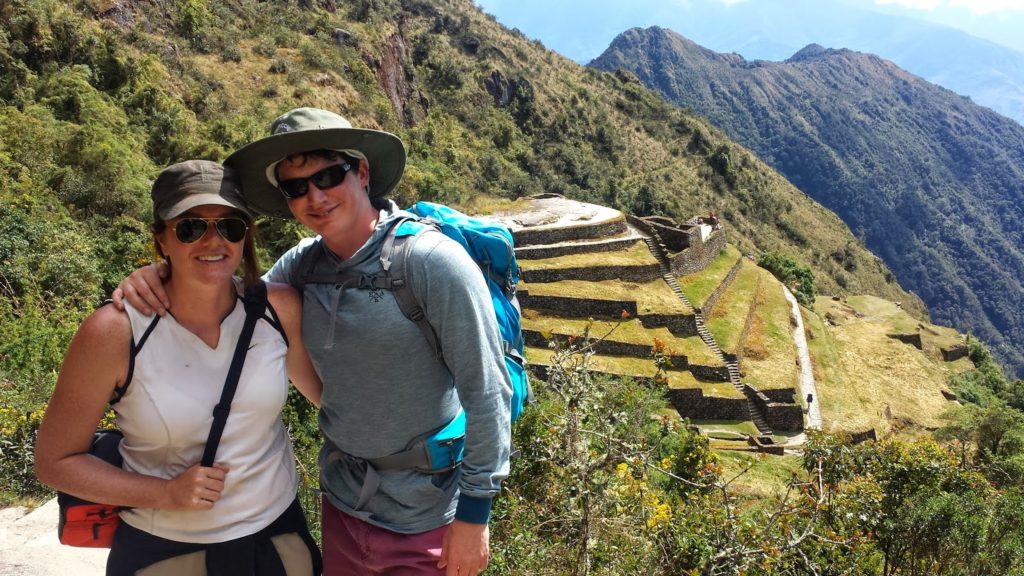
907, 164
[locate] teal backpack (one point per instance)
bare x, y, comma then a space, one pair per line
490, 245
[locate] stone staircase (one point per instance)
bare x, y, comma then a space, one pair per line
731, 363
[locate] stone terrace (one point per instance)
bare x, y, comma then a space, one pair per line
583, 266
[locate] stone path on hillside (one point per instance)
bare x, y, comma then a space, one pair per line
29, 546
805, 384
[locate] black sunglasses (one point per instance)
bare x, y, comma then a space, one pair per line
327, 178
189, 230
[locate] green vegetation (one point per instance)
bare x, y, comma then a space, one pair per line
93, 102
799, 279
699, 285
730, 313
654, 297
928, 180
636, 255
609, 492
986, 384
768, 352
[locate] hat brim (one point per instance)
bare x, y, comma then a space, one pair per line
202, 199
383, 150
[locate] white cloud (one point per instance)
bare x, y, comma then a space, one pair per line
976, 6
988, 6
913, 4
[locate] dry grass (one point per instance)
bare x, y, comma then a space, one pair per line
641, 367
726, 428
867, 380
765, 477
699, 285
730, 313
654, 297
252, 76
483, 205
629, 331
636, 255
773, 363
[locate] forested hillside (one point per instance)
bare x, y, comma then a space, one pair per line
97, 95
932, 183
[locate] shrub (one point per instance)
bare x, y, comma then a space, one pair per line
266, 47
798, 278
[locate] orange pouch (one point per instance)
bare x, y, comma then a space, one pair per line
87, 524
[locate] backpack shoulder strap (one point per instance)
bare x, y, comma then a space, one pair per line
255, 306
394, 259
307, 263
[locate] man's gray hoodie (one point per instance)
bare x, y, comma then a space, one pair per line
384, 386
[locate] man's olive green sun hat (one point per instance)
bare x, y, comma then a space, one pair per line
306, 129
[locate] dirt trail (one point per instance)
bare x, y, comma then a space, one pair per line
806, 381
29, 546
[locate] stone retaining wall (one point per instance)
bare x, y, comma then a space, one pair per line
639, 274
682, 325
709, 304
864, 436
782, 395
710, 373
692, 255
610, 347
778, 416
913, 339
699, 255
955, 353
578, 307
692, 403
675, 237
538, 252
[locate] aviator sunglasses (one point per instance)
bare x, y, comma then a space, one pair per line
189, 230
327, 178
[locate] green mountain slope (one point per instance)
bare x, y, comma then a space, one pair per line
96, 96
933, 183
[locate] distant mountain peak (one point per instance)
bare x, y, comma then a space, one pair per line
930, 180
814, 52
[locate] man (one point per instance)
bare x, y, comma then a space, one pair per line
383, 383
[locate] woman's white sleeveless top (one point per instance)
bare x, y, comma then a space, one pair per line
166, 415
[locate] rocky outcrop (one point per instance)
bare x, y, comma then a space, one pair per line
395, 77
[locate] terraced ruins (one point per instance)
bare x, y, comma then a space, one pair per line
646, 285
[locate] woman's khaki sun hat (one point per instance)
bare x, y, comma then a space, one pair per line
306, 129
183, 186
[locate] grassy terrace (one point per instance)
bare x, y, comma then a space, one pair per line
931, 335
769, 354
640, 367
630, 331
766, 477
730, 313
699, 285
726, 429
654, 297
636, 255
860, 373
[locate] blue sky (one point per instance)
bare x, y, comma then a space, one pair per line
582, 29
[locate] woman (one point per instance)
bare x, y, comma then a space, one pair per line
184, 518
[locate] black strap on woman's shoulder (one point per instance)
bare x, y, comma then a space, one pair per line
255, 306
